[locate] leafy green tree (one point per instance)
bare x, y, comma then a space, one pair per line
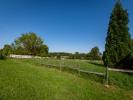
118, 42
7, 50
30, 43
94, 54
2, 55
77, 55
43, 50
19, 50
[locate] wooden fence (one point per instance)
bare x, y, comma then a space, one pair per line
76, 69
104, 75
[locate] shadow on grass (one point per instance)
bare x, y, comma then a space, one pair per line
94, 63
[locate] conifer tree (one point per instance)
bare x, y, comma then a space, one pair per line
118, 42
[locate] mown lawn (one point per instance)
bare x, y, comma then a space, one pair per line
22, 80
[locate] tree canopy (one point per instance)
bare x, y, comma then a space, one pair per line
94, 54
31, 44
28, 43
7, 49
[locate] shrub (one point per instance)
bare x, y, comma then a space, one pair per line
2, 56
127, 62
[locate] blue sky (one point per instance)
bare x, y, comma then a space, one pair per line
65, 25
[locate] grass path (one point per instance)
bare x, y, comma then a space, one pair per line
25, 81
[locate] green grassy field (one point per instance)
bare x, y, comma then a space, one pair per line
27, 80
115, 78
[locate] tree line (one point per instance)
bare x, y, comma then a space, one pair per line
94, 54
31, 44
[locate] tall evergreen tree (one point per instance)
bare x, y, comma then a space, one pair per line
118, 42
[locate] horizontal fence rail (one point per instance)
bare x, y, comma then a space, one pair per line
120, 70
91, 72
77, 69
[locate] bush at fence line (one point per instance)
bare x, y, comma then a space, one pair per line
127, 62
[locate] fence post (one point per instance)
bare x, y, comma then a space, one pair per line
106, 77
47, 62
78, 69
60, 66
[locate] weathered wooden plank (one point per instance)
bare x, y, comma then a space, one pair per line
120, 70
91, 72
